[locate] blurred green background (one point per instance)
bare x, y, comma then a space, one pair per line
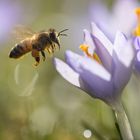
36, 103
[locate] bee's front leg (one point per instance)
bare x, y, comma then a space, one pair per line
43, 54
35, 54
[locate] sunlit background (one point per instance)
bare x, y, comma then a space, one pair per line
36, 103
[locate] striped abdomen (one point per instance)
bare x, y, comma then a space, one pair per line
19, 50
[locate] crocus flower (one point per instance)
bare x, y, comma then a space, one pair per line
104, 70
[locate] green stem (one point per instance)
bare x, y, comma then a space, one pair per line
123, 121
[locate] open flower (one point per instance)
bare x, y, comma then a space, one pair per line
102, 72
105, 68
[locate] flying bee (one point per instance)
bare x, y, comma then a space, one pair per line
36, 43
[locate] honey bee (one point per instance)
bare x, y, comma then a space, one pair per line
36, 42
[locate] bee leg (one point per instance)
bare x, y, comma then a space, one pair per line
52, 48
43, 54
35, 54
48, 50
37, 59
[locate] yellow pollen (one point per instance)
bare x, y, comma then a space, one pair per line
137, 10
137, 30
84, 48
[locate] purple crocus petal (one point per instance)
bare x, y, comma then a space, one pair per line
103, 47
137, 61
138, 56
89, 41
136, 42
123, 49
95, 79
67, 72
103, 54
102, 38
77, 62
123, 56
95, 85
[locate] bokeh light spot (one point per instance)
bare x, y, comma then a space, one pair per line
87, 133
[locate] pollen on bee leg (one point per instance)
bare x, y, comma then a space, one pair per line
48, 50
52, 49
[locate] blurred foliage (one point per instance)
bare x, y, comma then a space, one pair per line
36, 103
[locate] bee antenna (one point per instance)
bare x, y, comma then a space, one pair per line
61, 32
63, 35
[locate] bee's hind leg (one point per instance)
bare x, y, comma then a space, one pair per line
43, 54
35, 54
37, 59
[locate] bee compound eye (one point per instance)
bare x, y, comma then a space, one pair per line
52, 35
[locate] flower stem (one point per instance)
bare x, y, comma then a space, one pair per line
123, 122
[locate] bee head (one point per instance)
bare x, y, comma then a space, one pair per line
53, 36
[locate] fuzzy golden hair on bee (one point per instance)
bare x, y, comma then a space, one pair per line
37, 43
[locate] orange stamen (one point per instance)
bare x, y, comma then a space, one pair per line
84, 48
96, 57
137, 30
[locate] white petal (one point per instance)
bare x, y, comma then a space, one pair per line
123, 49
67, 72
102, 38
138, 56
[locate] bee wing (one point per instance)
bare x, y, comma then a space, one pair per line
21, 32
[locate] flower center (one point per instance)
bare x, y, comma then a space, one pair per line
137, 30
94, 56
